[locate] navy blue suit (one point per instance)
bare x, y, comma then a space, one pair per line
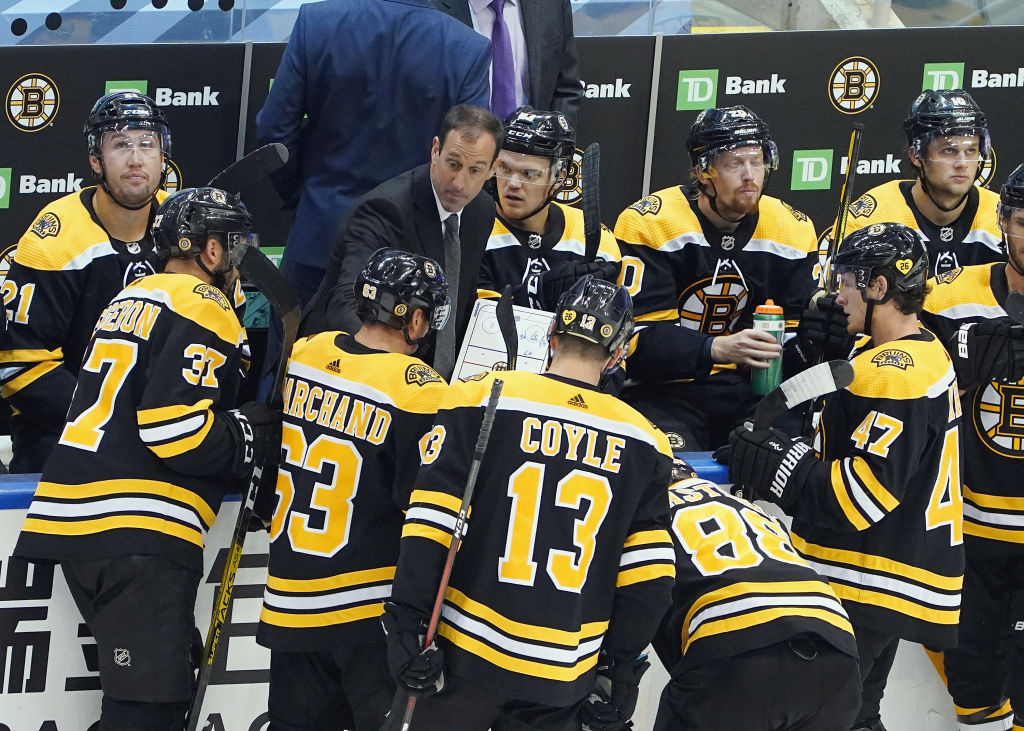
375, 78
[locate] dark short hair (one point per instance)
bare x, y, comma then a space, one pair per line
569, 344
471, 122
911, 301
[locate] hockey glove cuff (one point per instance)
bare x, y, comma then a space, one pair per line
417, 670
770, 465
256, 428
611, 703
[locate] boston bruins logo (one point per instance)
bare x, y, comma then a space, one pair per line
32, 102
987, 170
572, 191
712, 305
999, 418
172, 176
853, 85
5, 261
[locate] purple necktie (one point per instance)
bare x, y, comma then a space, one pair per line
503, 79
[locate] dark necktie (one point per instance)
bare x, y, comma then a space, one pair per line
503, 72
444, 357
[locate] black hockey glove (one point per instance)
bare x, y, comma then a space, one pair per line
611, 703
420, 672
990, 350
770, 465
552, 283
256, 428
821, 335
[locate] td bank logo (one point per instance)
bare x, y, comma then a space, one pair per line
812, 170
5, 187
939, 76
140, 86
697, 89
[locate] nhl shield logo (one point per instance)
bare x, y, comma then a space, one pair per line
946, 234
122, 657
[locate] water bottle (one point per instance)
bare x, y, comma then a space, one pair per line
769, 318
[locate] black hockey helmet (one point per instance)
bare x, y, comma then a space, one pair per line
1011, 196
186, 220
944, 113
543, 134
595, 310
394, 283
122, 110
681, 470
727, 128
889, 250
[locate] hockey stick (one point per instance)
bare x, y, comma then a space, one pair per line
460, 528
507, 327
261, 272
827, 279
259, 163
815, 382
1015, 306
590, 182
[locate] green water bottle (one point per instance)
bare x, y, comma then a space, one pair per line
769, 318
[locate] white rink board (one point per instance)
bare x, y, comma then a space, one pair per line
915, 699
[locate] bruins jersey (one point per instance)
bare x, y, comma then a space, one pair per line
140, 465
740, 585
974, 238
992, 437
885, 524
567, 550
680, 269
518, 258
352, 420
65, 270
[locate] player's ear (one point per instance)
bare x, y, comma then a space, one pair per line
94, 163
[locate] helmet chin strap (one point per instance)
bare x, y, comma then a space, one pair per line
1010, 257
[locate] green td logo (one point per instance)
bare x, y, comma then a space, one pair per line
139, 86
5, 187
812, 170
697, 89
940, 76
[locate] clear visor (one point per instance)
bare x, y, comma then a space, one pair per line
733, 161
1011, 220
147, 141
527, 173
439, 317
239, 240
853, 276
969, 147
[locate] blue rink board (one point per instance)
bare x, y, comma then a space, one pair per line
16, 490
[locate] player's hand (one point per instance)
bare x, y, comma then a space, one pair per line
611, 703
747, 347
990, 350
769, 464
554, 282
256, 427
420, 672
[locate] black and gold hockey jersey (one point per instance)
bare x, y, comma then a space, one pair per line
740, 585
680, 269
517, 257
140, 466
992, 436
353, 418
567, 550
886, 529
974, 238
65, 271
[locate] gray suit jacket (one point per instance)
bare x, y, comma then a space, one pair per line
550, 50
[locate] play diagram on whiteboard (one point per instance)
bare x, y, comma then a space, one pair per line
483, 348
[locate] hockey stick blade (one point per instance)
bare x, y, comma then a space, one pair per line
507, 327
1015, 306
258, 164
254, 266
815, 382
590, 180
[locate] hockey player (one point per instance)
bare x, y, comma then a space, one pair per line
355, 408
746, 605
567, 566
150, 446
985, 672
879, 512
698, 259
947, 144
538, 245
80, 252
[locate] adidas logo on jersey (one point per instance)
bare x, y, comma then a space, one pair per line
578, 402
334, 366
